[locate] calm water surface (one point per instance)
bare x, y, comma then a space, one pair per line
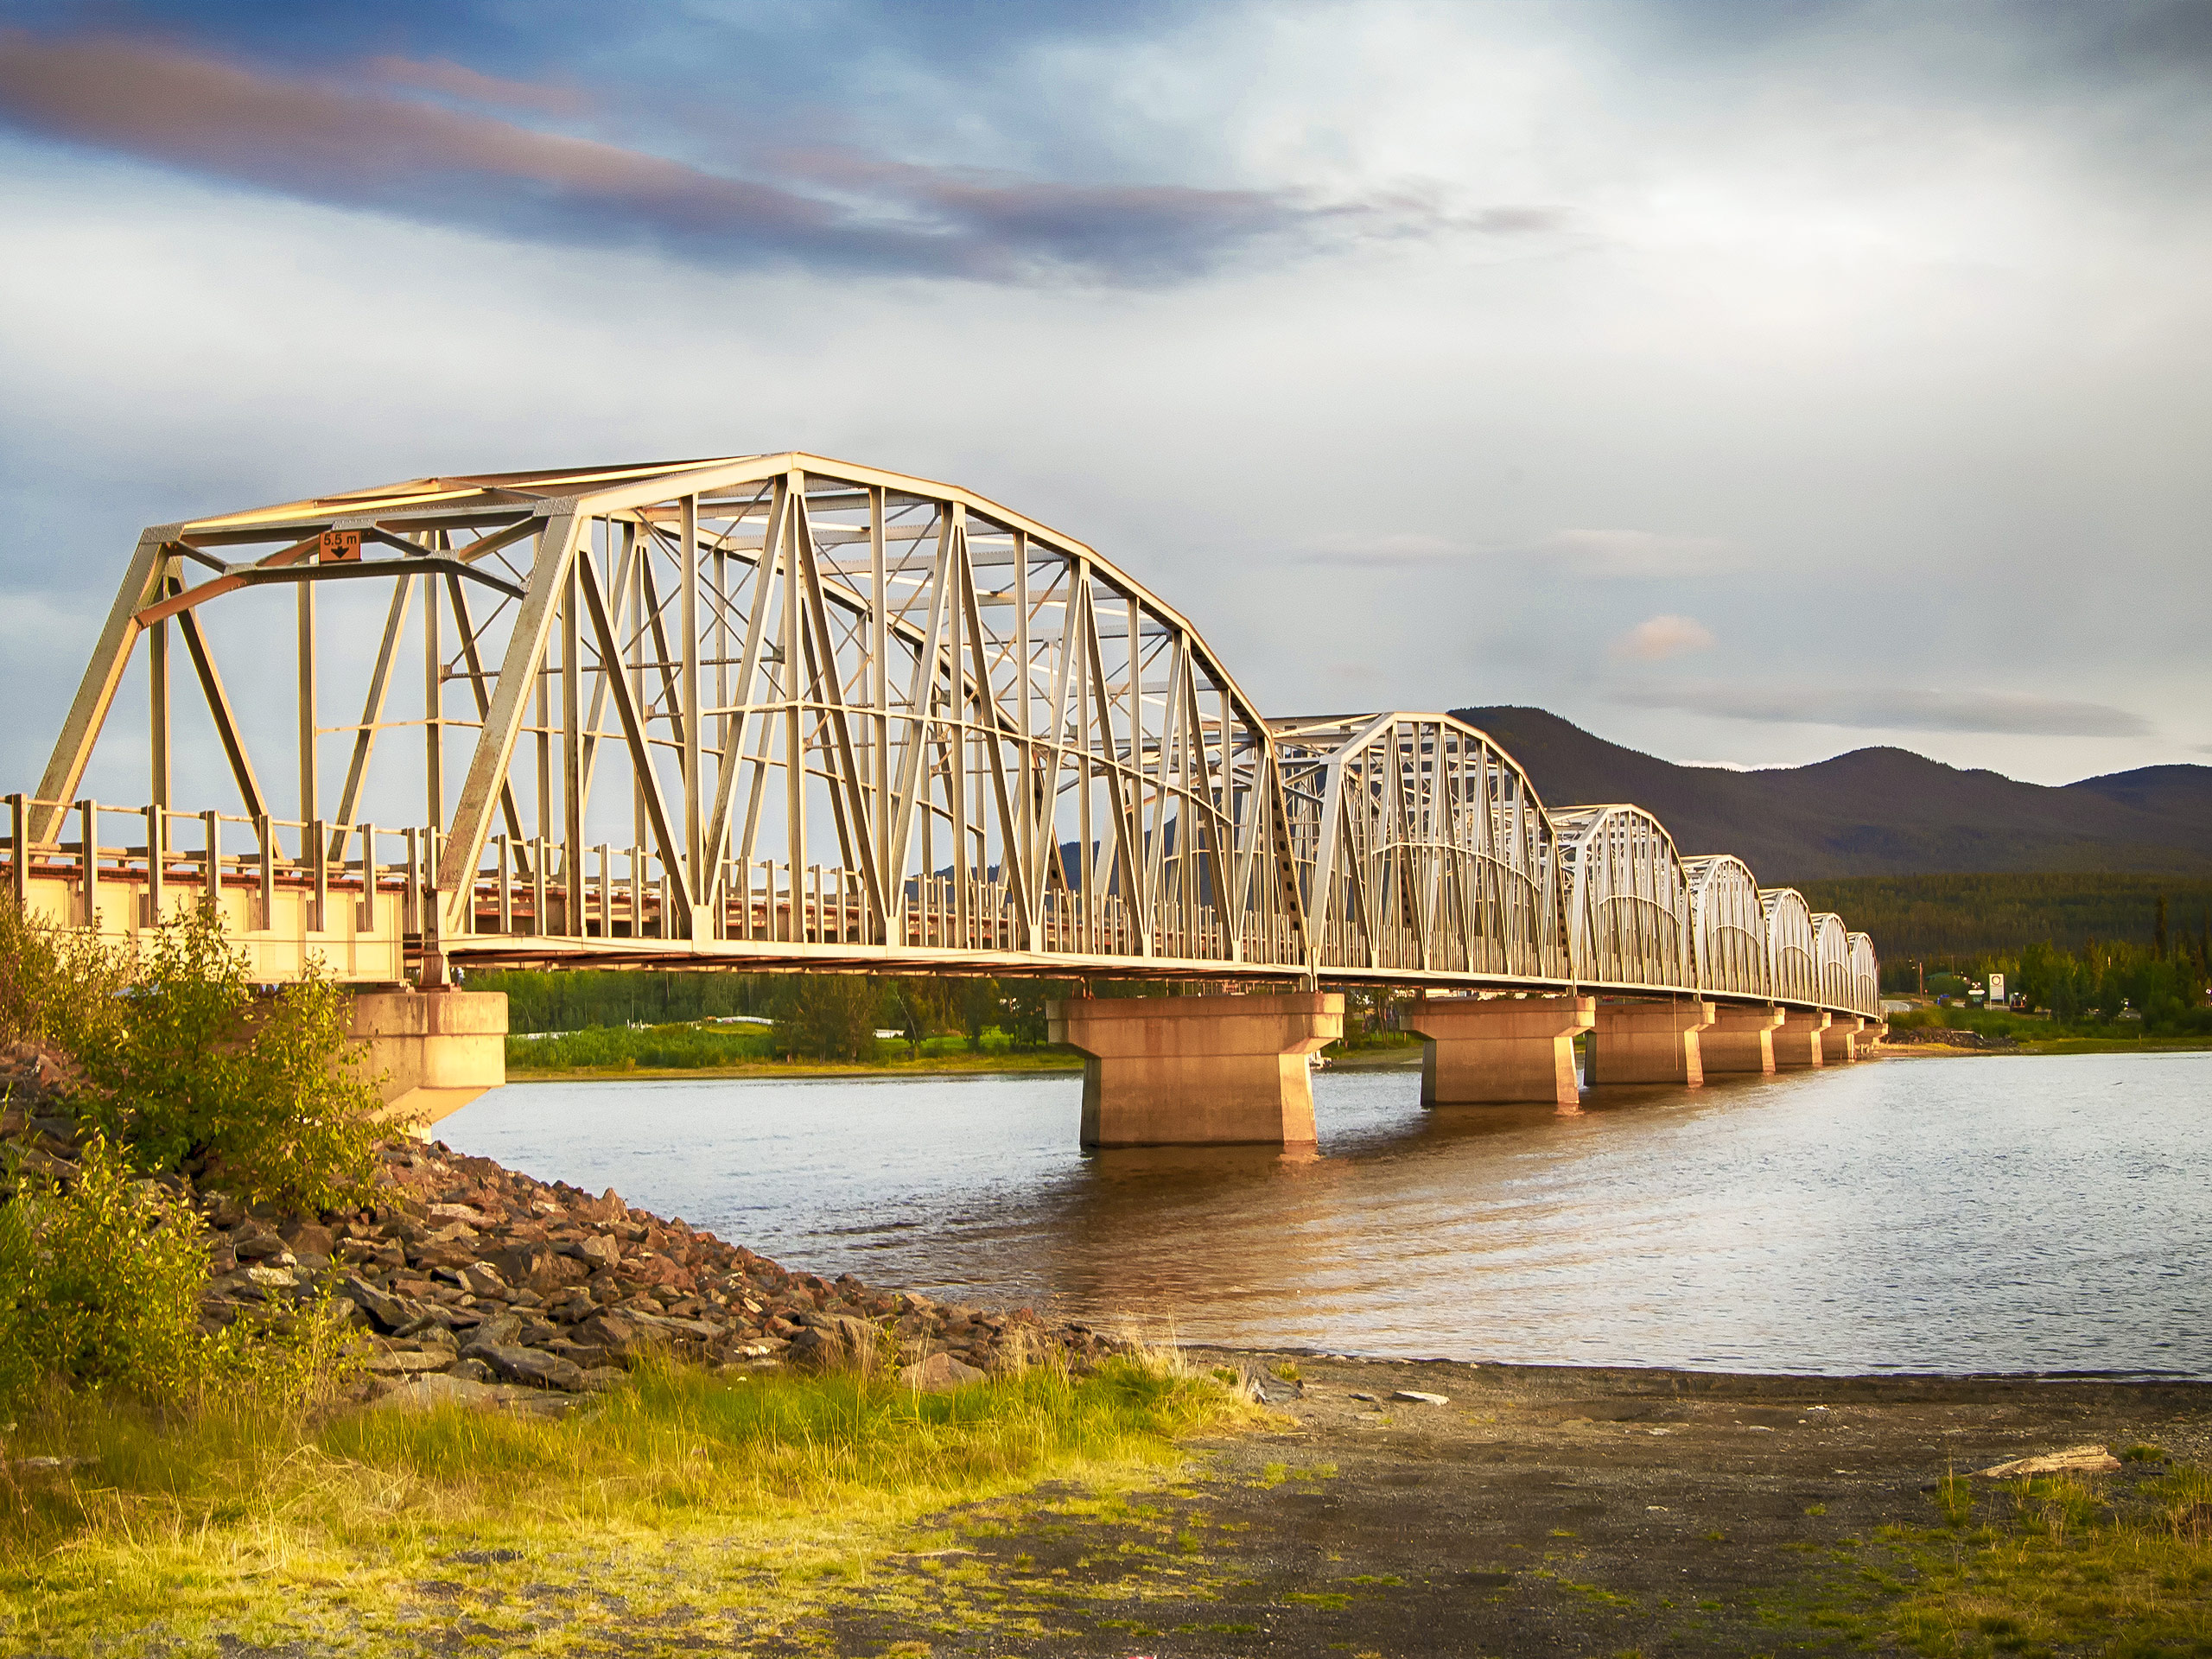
1992, 1214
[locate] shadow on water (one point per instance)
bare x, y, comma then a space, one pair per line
1929, 1215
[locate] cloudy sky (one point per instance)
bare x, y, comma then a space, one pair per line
1746, 380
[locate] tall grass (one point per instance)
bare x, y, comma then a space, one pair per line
2066, 1564
753, 1497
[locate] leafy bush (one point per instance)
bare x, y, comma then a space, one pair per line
100, 1283
184, 1067
100, 1279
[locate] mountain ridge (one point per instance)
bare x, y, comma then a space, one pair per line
1879, 810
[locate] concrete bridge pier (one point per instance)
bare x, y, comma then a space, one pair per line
1741, 1039
436, 1049
1198, 1070
1797, 1042
1649, 1042
1502, 1050
1839, 1040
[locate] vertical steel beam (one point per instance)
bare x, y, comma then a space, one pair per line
433, 709
306, 705
157, 711
88, 822
572, 752
694, 783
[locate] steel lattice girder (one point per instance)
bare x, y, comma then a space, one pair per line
1421, 845
838, 716
1793, 966
1626, 899
1729, 925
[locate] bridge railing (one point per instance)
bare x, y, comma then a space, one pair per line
287, 890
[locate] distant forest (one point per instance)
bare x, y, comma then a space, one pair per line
1961, 918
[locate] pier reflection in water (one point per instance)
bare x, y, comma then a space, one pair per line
2008, 1214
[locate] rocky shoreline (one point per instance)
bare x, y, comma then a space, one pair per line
469, 1281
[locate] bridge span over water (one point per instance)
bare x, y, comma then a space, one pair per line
780, 712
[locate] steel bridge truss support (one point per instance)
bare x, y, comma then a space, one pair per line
1422, 847
1649, 1042
1198, 1070
1501, 1051
1797, 1041
1741, 1039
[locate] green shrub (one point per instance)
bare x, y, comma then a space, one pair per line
99, 1283
184, 1067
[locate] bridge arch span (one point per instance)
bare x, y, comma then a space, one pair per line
1729, 926
1865, 976
1626, 898
1422, 847
1832, 962
1793, 968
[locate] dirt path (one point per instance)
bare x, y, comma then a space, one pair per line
1541, 1511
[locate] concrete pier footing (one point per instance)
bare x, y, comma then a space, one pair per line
1797, 1040
1839, 1040
1198, 1070
436, 1050
1501, 1050
1739, 1040
1649, 1042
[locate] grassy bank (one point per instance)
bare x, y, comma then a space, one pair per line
2060, 1564
733, 1507
710, 1050
2042, 1034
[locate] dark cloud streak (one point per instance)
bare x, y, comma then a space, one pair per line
328, 140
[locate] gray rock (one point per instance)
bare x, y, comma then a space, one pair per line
598, 1379
389, 1311
531, 1365
1416, 1397
404, 1363
427, 1392
939, 1373
609, 1330
472, 1370
482, 1279
492, 1333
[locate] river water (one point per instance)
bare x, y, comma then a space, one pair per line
1991, 1214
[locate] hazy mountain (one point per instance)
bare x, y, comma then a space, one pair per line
1878, 811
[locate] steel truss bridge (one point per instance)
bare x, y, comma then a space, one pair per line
784, 712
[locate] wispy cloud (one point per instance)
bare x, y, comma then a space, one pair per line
458, 81
1658, 638
333, 140
1889, 709
1396, 551
1640, 553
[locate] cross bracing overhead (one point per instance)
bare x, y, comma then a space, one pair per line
781, 710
